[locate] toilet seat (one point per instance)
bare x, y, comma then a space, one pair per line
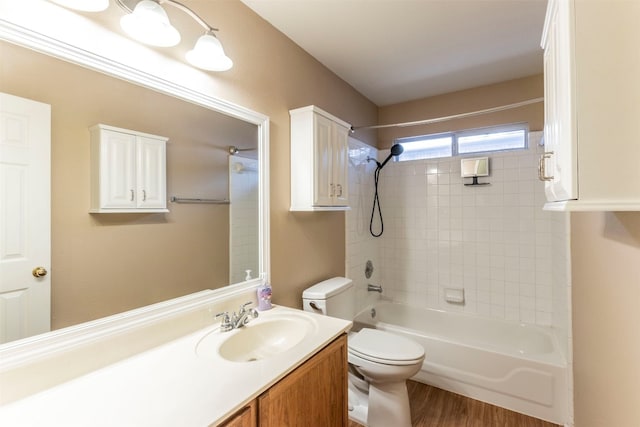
383, 347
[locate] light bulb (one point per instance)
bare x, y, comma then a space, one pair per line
149, 24
208, 54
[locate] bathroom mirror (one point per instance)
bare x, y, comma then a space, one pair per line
473, 167
103, 264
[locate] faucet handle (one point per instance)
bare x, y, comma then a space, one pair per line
226, 324
225, 317
242, 307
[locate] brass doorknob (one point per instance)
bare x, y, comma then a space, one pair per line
39, 272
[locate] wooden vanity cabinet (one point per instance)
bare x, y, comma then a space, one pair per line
245, 417
314, 394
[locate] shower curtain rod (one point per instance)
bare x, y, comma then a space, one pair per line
454, 116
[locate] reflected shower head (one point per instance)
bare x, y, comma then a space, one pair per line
235, 150
396, 150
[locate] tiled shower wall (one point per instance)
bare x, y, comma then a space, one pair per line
243, 218
361, 246
493, 241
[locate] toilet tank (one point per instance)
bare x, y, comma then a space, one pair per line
333, 297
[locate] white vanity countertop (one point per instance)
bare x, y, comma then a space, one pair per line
170, 385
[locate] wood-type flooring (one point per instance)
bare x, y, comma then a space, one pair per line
433, 407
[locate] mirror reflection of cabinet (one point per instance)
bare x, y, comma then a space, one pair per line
319, 160
128, 171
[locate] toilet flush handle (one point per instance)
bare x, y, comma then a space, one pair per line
313, 305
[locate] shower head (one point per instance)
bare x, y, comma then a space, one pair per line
233, 150
396, 150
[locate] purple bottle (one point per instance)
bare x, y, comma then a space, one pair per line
264, 297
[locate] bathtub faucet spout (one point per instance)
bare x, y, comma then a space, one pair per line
374, 288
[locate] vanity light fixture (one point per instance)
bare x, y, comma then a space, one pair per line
148, 23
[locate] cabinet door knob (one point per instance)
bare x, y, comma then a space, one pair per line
132, 194
39, 272
144, 195
339, 190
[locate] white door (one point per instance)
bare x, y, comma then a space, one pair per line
25, 224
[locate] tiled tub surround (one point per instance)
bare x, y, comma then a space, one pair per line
361, 246
494, 241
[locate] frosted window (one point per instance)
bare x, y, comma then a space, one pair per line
492, 141
484, 140
426, 147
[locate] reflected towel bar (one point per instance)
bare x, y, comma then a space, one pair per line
175, 199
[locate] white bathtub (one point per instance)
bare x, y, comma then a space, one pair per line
508, 364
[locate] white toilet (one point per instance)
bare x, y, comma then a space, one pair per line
384, 361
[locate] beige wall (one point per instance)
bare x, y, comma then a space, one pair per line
273, 75
606, 318
465, 101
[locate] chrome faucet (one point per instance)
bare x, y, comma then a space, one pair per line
374, 288
244, 316
235, 321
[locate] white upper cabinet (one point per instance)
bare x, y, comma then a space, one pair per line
559, 163
128, 171
592, 105
319, 160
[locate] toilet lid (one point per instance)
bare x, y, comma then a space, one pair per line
373, 343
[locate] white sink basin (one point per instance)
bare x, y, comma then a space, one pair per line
260, 339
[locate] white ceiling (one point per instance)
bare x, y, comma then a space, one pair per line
393, 51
